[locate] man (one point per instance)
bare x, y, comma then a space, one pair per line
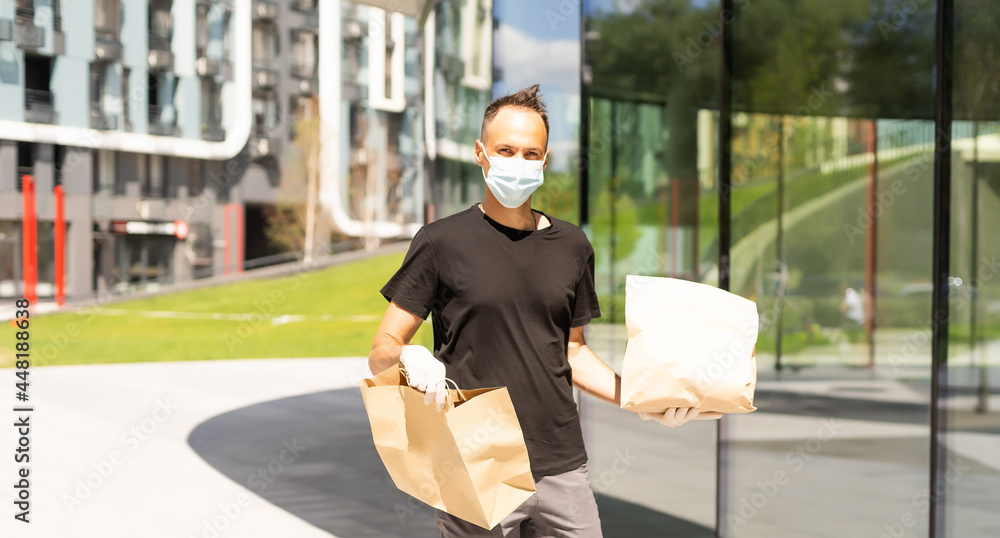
511, 290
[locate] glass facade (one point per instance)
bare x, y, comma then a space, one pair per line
836, 162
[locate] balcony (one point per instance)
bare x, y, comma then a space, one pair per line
107, 48
264, 78
264, 144
161, 124
264, 10
305, 72
27, 35
354, 29
38, 106
58, 43
102, 120
311, 21
304, 6
452, 67
303, 69
212, 132
352, 91
308, 86
160, 58
207, 67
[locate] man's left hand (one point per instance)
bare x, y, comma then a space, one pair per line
676, 416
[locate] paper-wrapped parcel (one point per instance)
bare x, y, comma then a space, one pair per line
689, 345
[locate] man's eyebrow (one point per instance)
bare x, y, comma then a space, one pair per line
509, 145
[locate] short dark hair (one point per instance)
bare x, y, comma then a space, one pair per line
528, 98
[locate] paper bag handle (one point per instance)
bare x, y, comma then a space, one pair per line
447, 380
458, 390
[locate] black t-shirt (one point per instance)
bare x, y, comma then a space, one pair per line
504, 301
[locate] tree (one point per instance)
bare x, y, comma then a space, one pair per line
291, 223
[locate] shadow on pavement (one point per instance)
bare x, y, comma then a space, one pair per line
313, 456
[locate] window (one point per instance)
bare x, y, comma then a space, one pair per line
126, 99
25, 161
59, 156
107, 17
155, 182
211, 110
226, 36
97, 93
201, 29
194, 179
265, 112
160, 21
304, 47
386, 44
25, 10
105, 165
265, 44
162, 115
477, 44
56, 15
37, 90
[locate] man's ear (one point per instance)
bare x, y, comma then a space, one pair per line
478, 153
546, 164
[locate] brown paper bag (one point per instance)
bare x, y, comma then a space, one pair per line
689, 345
469, 460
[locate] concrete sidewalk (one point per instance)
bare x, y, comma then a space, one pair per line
110, 457
281, 447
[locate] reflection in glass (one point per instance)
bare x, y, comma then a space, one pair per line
969, 475
653, 210
833, 151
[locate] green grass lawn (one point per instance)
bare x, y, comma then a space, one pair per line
350, 289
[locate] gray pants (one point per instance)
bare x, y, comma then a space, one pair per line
562, 506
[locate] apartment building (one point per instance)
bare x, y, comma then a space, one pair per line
170, 127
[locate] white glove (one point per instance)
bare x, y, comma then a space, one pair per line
425, 373
675, 416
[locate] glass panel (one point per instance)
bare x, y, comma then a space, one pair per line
455, 112
10, 272
832, 202
653, 207
531, 47
970, 474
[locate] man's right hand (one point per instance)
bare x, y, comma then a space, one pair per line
425, 373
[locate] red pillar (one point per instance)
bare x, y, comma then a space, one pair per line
29, 238
232, 229
238, 209
227, 236
60, 245
870, 244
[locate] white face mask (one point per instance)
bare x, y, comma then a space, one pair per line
513, 179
